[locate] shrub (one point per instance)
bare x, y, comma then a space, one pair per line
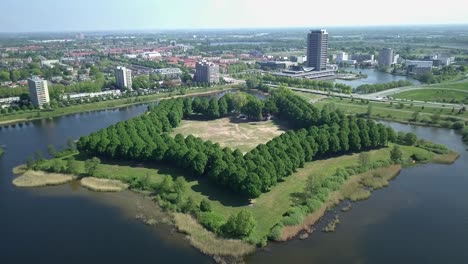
205, 205
275, 233
420, 157
458, 125
313, 204
211, 221
294, 216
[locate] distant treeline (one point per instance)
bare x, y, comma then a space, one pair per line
373, 88
259, 80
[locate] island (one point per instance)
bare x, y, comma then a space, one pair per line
236, 171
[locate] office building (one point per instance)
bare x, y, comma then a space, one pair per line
362, 57
38, 91
206, 72
418, 67
317, 49
386, 57
123, 78
342, 56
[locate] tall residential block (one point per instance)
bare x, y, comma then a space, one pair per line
123, 78
206, 72
38, 91
317, 49
386, 57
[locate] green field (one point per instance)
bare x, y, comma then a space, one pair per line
435, 95
393, 111
232, 132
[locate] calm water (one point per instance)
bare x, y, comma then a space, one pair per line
421, 218
373, 76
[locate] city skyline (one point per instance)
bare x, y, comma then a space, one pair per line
109, 15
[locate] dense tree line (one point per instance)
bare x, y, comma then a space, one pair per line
318, 134
258, 80
377, 87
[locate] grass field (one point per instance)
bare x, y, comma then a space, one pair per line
393, 112
435, 95
232, 132
462, 85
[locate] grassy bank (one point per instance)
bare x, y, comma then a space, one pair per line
32, 178
73, 109
103, 185
208, 242
435, 95
2, 151
437, 116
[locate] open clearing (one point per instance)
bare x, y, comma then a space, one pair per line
232, 132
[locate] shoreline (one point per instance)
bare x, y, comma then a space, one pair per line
101, 108
365, 183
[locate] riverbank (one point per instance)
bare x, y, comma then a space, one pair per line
270, 207
105, 105
356, 188
32, 178
103, 185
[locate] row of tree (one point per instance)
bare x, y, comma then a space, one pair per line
260, 80
377, 87
319, 134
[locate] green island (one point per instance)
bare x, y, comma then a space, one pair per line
230, 181
36, 114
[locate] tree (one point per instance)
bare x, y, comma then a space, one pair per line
364, 160
313, 185
52, 151
91, 165
205, 205
410, 139
253, 109
240, 225
73, 166
213, 109
223, 106
396, 155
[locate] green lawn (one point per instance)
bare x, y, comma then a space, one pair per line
391, 111
435, 95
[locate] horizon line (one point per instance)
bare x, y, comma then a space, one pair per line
228, 28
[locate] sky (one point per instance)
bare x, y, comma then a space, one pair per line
98, 15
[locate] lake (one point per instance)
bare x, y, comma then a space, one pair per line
422, 217
373, 76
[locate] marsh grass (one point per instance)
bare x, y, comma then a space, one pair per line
208, 242
103, 185
448, 158
39, 179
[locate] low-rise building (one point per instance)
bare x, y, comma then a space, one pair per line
171, 73
418, 67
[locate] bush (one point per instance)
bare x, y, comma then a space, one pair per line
419, 157
294, 216
205, 205
458, 125
211, 221
313, 204
275, 233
